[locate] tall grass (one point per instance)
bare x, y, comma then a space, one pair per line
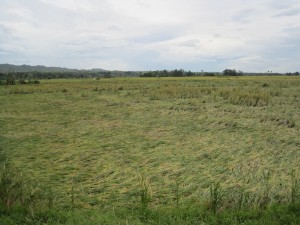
250, 97
14, 209
12, 188
215, 196
179, 92
295, 189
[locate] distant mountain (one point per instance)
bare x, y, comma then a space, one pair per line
44, 72
5, 68
97, 69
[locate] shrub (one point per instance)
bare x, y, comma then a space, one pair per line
10, 79
22, 81
265, 85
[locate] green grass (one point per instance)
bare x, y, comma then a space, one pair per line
103, 142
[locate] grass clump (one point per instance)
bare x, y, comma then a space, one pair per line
253, 98
179, 92
11, 188
24, 200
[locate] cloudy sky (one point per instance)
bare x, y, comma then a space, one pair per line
209, 35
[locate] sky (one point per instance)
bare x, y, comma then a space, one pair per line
196, 35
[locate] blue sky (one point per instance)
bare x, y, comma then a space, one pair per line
256, 36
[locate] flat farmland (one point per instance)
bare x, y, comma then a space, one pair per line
100, 142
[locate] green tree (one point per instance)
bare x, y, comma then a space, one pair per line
230, 72
10, 79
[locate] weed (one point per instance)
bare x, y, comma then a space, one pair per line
72, 197
295, 188
145, 195
215, 196
177, 195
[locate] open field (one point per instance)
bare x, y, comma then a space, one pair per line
101, 143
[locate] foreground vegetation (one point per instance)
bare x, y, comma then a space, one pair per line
24, 203
151, 151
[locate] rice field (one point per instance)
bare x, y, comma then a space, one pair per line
179, 141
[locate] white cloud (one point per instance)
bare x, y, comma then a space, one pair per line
139, 34
72, 5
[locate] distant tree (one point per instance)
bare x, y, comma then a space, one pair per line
164, 73
177, 73
22, 81
10, 79
148, 74
240, 73
230, 72
189, 73
2, 78
107, 75
293, 74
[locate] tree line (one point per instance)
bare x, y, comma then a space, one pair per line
33, 77
166, 73
12, 77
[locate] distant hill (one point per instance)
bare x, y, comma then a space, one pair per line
44, 72
5, 68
